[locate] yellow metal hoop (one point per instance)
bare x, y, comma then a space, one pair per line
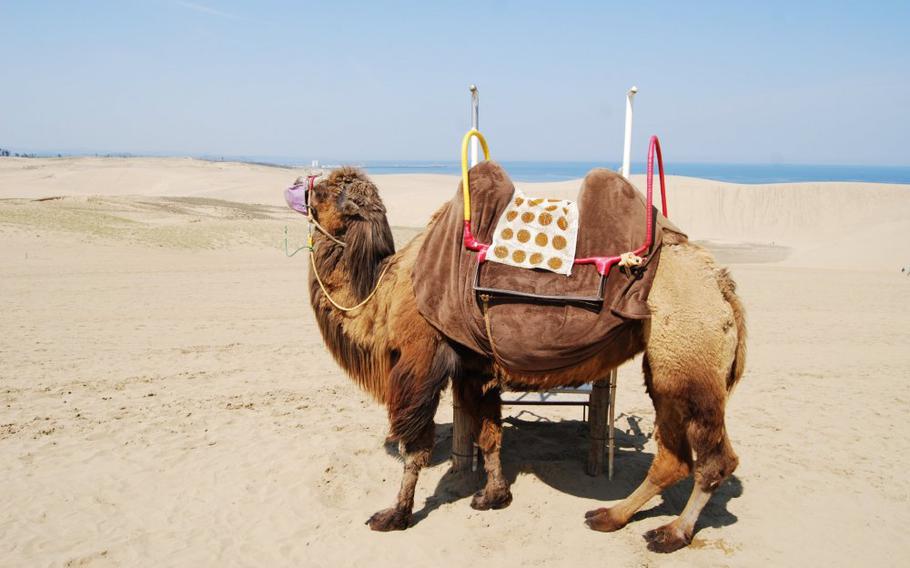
464, 167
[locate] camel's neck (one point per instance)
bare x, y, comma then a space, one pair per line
330, 263
357, 263
350, 275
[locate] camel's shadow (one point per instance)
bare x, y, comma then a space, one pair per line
556, 452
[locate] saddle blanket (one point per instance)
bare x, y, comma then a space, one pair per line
533, 336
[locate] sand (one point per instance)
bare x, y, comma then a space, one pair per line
165, 398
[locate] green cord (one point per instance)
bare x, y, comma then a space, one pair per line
290, 254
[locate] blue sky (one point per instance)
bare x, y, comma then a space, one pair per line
796, 82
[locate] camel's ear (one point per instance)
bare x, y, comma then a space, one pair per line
355, 199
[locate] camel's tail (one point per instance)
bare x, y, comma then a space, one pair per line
728, 289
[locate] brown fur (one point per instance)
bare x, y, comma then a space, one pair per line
694, 347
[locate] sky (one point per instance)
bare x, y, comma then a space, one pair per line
723, 82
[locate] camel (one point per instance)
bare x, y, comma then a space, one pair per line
693, 345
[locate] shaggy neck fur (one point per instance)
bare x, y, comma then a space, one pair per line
354, 269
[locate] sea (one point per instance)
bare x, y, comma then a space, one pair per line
734, 173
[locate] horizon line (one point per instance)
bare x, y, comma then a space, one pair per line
285, 161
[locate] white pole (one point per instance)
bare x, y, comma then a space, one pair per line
475, 105
627, 141
626, 163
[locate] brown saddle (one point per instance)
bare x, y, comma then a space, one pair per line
540, 321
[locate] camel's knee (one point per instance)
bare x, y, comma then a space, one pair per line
714, 467
667, 469
489, 438
673, 461
716, 458
416, 452
489, 433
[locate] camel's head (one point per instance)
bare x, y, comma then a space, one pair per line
347, 205
346, 196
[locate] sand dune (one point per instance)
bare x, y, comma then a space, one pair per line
165, 398
827, 224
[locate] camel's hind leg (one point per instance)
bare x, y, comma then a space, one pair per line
672, 463
691, 418
707, 435
695, 355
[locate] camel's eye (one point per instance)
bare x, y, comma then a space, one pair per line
320, 193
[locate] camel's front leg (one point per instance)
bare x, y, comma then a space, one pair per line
416, 455
496, 493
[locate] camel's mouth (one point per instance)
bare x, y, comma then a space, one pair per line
298, 198
298, 195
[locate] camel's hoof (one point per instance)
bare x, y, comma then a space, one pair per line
603, 520
389, 520
496, 500
595, 512
667, 539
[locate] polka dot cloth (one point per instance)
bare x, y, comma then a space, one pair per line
536, 233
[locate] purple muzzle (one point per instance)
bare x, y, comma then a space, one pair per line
298, 195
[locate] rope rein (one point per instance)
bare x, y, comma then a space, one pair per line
336, 304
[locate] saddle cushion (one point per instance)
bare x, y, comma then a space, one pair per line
535, 337
536, 233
